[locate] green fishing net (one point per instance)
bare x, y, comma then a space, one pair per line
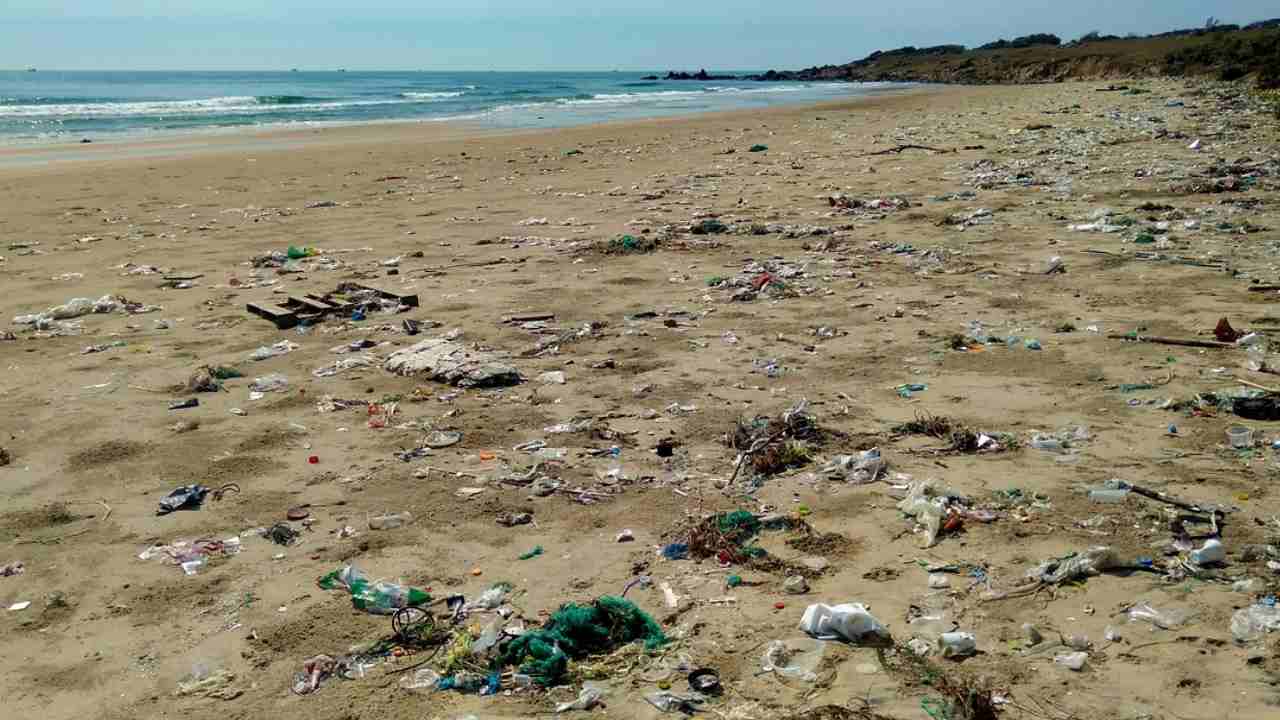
575, 631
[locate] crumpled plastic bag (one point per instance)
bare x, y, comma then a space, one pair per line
1087, 564
780, 658
1163, 619
590, 696
928, 504
867, 466
315, 670
1251, 623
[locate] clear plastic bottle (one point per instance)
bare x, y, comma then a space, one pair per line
1256, 357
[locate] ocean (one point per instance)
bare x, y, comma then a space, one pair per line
53, 106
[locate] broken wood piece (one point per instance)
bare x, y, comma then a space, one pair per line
1165, 498
1256, 386
900, 148
1185, 342
530, 317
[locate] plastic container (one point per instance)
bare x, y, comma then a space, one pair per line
1240, 436
957, 644
1072, 661
1212, 553
852, 622
1255, 358
1108, 495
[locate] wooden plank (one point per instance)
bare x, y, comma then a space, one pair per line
335, 306
306, 303
282, 317
408, 300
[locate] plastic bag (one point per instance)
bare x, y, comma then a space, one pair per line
1091, 562
865, 467
1072, 661
275, 350
587, 699
1163, 619
422, 679
1251, 623
781, 659
928, 506
275, 382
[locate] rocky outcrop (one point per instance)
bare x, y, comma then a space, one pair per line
700, 75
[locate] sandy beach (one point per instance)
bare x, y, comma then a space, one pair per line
833, 266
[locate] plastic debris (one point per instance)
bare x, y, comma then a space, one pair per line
850, 621
449, 362
187, 497
589, 697
1253, 622
377, 597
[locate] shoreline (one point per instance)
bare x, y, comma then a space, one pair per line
292, 136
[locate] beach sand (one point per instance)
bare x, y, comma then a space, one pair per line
110, 635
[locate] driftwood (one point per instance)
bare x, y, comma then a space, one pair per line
900, 148
1263, 288
1164, 498
1186, 342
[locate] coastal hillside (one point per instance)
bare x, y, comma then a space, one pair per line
1226, 52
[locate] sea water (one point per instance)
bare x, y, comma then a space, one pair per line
55, 106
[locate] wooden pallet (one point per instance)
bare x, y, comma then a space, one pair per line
311, 307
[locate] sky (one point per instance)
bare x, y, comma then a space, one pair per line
652, 35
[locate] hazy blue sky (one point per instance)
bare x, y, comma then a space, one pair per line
547, 34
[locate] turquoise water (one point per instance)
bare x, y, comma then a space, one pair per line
68, 106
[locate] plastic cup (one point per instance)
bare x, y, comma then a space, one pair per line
1240, 436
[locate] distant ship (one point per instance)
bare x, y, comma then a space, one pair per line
31, 69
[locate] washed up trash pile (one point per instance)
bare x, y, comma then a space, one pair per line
54, 318
576, 631
768, 445
873, 208
193, 555
768, 279
728, 537
937, 510
450, 362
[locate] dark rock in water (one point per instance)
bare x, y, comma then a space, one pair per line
85, 141
700, 75
649, 77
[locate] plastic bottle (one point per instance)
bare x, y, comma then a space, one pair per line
1255, 358
1047, 442
390, 521
1211, 554
957, 644
380, 597
1072, 661
1108, 495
